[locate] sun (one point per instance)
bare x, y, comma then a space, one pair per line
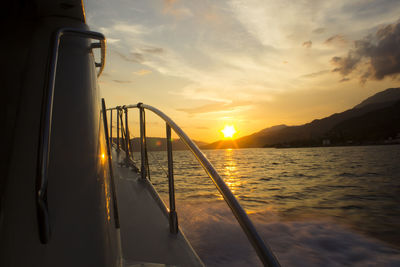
228, 131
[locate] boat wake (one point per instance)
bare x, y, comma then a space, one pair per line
217, 238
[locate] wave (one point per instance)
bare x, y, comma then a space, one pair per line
217, 238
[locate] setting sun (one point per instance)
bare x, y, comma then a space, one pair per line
228, 131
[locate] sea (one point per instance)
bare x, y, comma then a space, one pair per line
324, 206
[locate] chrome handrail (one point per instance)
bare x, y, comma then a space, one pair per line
263, 251
46, 123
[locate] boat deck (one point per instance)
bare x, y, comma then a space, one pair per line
145, 236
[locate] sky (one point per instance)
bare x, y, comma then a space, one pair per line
252, 63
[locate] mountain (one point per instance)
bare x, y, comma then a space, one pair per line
387, 96
378, 125
381, 108
253, 140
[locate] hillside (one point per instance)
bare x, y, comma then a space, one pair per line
377, 107
378, 125
387, 96
254, 140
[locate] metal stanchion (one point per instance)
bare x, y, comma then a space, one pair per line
143, 169
173, 217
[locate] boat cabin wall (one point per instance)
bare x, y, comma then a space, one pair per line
83, 231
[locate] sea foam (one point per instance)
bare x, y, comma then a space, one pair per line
219, 241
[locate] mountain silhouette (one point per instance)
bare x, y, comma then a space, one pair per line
378, 115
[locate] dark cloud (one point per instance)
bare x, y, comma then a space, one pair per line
121, 81
307, 44
360, 10
132, 57
140, 57
153, 50
336, 39
374, 57
319, 30
137, 57
346, 64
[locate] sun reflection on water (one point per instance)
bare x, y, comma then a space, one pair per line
230, 173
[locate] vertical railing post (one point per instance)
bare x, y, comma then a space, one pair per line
173, 217
111, 128
126, 137
143, 169
121, 123
118, 114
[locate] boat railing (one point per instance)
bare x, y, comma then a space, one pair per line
263, 251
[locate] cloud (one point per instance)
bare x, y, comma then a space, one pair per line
112, 41
195, 91
307, 44
132, 57
319, 30
315, 74
152, 50
139, 55
178, 12
121, 81
337, 39
215, 107
264, 20
142, 72
130, 28
374, 57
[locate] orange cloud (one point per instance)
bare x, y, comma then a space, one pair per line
142, 72
216, 107
178, 12
307, 44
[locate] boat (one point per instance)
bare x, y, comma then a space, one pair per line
70, 194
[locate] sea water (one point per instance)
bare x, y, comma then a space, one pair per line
327, 206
